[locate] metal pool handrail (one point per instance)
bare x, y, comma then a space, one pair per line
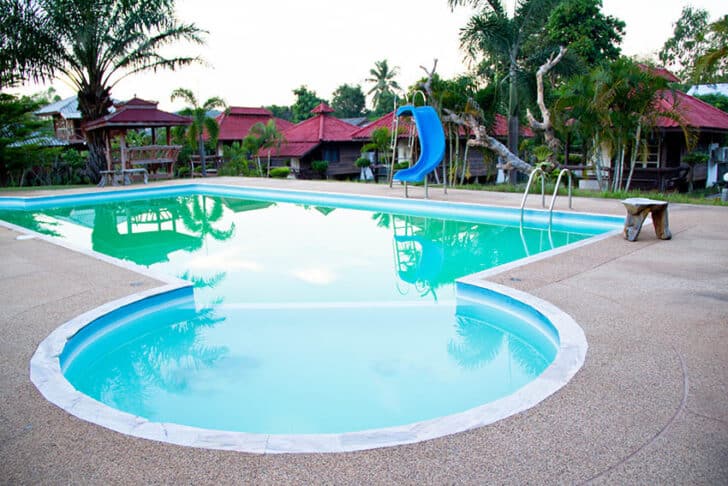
534, 173
556, 190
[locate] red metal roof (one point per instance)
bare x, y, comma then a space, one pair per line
499, 128
245, 110
322, 108
138, 113
289, 149
321, 128
387, 120
659, 72
694, 112
236, 124
302, 138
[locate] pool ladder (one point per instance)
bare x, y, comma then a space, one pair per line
538, 171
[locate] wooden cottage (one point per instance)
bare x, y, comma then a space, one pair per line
66, 122
236, 122
320, 138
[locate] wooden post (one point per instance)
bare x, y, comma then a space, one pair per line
122, 146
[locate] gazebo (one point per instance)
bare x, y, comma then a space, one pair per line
155, 161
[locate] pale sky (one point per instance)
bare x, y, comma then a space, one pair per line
258, 52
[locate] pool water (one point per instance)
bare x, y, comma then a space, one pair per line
305, 319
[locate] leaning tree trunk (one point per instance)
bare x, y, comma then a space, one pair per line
482, 139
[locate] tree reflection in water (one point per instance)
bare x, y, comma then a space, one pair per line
166, 360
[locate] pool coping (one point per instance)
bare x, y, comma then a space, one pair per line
45, 372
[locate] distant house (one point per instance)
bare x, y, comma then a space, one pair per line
236, 122
660, 166
705, 122
66, 123
322, 137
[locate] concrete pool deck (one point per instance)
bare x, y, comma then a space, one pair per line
650, 404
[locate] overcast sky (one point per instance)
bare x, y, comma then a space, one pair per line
258, 52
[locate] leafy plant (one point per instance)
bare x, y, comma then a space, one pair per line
280, 172
362, 162
320, 166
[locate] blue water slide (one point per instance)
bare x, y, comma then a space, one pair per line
432, 143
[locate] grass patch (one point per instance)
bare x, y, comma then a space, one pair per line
45, 188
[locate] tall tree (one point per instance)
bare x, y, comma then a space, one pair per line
349, 101
591, 35
688, 42
713, 64
27, 45
306, 100
384, 86
202, 122
266, 135
93, 44
17, 126
497, 41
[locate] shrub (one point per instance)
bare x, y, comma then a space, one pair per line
362, 162
319, 166
280, 172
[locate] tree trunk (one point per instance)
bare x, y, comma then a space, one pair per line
633, 158
201, 151
96, 155
546, 126
513, 123
94, 101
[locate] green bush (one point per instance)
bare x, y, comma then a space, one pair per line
401, 165
280, 172
319, 166
362, 162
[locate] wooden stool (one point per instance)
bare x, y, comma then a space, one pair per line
637, 210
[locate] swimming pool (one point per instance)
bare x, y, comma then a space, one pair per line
278, 304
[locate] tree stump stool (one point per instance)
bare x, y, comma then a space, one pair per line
637, 210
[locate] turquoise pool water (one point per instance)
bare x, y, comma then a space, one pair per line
306, 319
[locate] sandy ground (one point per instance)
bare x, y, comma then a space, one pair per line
650, 405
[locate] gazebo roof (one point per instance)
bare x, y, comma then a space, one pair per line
138, 113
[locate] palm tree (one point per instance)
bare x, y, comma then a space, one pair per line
96, 43
715, 59
201, 121
266, 136
497, 40
612, 109
384, 84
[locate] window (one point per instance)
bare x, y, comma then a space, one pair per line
331, 154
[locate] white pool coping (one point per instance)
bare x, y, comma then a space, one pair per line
46, 375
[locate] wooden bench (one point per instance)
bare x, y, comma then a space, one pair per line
152, 158
637, 210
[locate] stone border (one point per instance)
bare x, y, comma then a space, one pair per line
45, 373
